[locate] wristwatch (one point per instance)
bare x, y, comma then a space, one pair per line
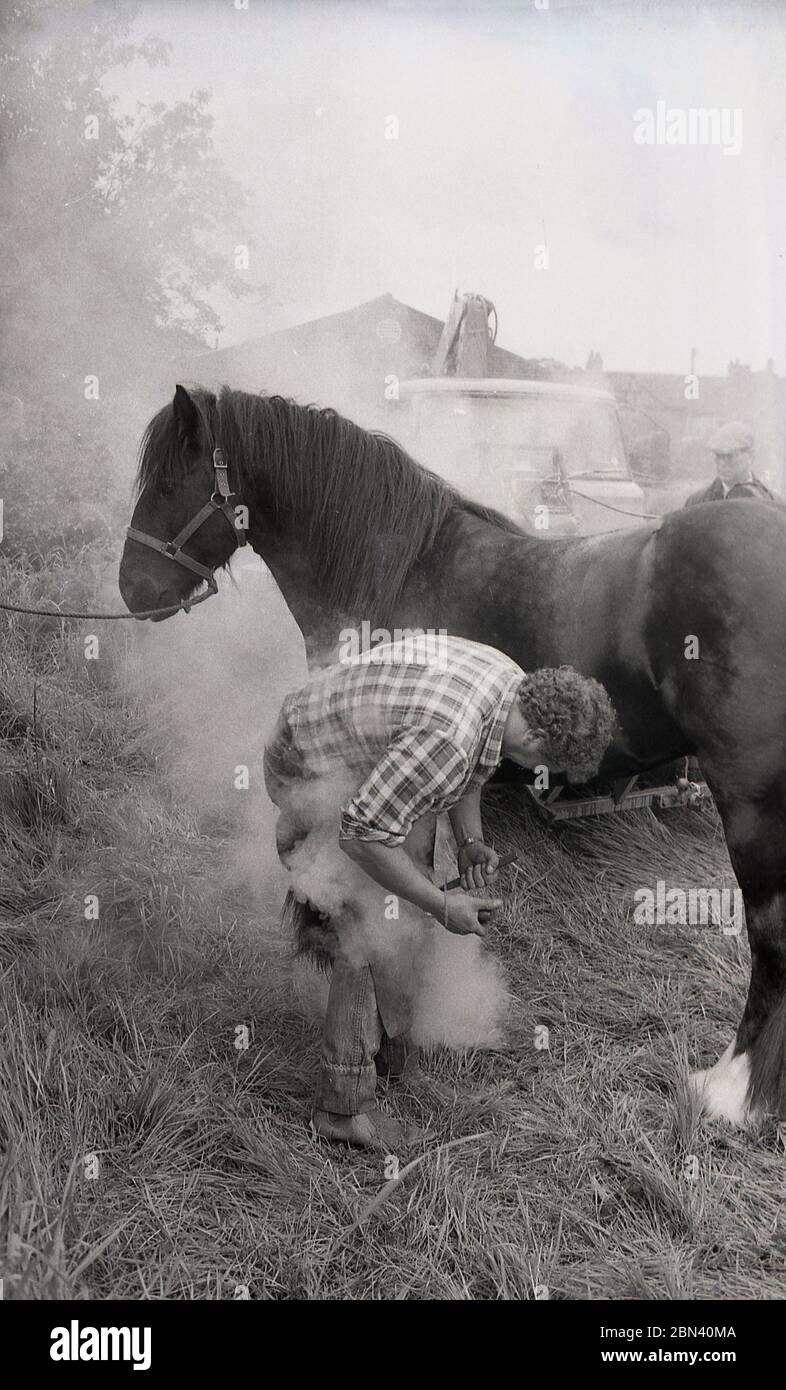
468, 840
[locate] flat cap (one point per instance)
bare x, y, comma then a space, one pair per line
732, 438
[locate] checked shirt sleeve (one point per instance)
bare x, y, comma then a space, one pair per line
422, 770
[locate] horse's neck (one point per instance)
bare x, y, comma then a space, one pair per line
458, 577
485, 583
285, 557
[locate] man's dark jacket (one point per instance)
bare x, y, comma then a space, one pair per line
714, 493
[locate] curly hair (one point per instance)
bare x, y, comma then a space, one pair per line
573, 717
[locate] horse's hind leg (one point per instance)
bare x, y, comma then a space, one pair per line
764, 1020
750, 1078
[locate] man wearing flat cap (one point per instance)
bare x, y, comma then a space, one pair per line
732, 446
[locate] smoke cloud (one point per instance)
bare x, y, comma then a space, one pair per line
458, 990
212, 683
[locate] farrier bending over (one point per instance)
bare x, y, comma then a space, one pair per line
423, 730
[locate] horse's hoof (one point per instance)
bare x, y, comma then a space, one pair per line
723, 1089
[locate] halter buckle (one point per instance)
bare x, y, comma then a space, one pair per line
220, 468
173, 549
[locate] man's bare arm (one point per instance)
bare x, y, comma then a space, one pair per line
477, 861
391, 867
465, 817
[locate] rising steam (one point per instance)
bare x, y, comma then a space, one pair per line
213, 683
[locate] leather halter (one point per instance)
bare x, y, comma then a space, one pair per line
219, 502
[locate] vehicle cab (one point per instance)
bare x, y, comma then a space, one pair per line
549, 455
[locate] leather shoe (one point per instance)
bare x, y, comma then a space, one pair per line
372, 1129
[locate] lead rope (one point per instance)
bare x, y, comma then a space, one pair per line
184, 607
637, 516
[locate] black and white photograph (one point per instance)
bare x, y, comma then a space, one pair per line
393, 667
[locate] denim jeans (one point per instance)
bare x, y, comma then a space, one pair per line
370, 1000
351, 1037
366, 1003
359, 999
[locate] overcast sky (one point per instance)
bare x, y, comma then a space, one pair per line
515, 129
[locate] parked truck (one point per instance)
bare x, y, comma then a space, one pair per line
547, 453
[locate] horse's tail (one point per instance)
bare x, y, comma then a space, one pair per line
313, 935
768, 1063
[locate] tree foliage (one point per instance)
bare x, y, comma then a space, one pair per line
117, 224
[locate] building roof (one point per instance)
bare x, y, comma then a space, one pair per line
382, 328
666, 390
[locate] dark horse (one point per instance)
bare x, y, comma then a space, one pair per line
682, 622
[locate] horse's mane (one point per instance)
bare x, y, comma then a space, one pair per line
367, 509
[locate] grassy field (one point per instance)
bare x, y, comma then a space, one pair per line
146, 1155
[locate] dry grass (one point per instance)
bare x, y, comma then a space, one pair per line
562, 1169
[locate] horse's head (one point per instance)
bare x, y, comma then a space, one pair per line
185, 524
339, 514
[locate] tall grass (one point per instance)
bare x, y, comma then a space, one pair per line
148, 1153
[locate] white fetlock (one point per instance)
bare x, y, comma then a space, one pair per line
723, 1089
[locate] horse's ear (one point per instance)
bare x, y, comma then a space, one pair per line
186, 415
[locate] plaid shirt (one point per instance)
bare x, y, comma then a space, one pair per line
424, 731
